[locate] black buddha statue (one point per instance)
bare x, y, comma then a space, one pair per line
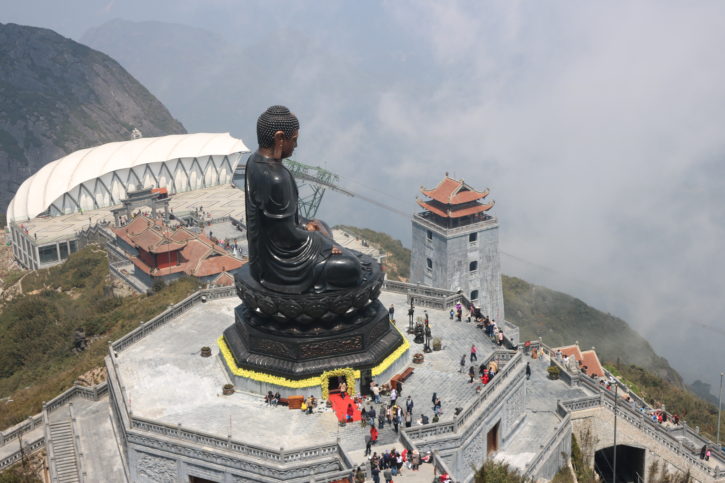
288, 253
309, 304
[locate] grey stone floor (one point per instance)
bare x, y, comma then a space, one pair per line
167, 380
541, 418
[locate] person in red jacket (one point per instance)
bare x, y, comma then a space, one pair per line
373, 434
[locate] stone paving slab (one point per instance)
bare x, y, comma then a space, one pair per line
167, 380
101, 460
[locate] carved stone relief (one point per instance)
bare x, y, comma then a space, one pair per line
473, 452
156, 469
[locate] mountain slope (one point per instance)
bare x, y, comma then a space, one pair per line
558, 318
58, 96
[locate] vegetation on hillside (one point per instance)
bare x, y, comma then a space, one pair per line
657, 391
560, 319
495, 472
397, 261
37, 356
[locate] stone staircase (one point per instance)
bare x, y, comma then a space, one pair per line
65, 459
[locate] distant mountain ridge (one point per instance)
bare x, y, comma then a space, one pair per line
58, 96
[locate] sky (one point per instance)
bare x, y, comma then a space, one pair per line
599, 128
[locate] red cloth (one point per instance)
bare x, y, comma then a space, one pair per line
339, 405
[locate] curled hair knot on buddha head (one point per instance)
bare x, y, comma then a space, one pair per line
276, 118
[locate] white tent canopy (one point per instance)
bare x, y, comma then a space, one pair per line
101, 176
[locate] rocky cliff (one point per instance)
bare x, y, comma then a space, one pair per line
58, 96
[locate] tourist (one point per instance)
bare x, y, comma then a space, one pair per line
485, 378
396, 421
363, 416
393, 395
268, 398
411, 311
368, 444
371, 415
415, 460
388, 475
500, 337
343, 389
375, 472
376, 393
399, 462
459, 314
381, 418
373, 434
434, 398
276, 398
409, 404
528, 371
703, 451
437, 407
389, 413
359, 476
707, 455
474, 353
391, 313
471, 374
425, 317
463, 363
451, 314
350, 412
408, 418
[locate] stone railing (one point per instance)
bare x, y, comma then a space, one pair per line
436, 429
425, 296
28, 448
171, 313
661, 435
16, 431
550, 447
208, 440
129, 423
451, 232
514, 360
91, 393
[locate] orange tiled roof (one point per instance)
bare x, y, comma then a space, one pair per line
472, 210
199, 256
150, 235
454, 192
587, 358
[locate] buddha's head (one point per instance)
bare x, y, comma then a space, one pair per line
277, 131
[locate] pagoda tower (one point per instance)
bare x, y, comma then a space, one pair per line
455, 245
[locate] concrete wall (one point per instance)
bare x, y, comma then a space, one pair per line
451, 253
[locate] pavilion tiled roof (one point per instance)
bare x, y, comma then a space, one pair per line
456, 213
199, 255
150, 235
588, 359
454, 192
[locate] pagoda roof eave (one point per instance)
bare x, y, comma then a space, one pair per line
456, 213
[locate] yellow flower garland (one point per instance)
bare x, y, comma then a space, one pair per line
349, 373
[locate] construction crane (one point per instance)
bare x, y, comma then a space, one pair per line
312, 182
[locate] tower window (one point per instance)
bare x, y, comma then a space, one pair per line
472, 237
429, 263
474, 295
473, 266
429, 234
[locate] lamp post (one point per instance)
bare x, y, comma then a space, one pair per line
614, 469
719, 410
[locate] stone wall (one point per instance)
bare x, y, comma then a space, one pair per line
594, 431
451, 253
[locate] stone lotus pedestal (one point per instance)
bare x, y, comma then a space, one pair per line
299, 337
